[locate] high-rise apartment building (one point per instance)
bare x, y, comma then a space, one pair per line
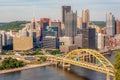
85, 18
71, 24
117, 23
65, 9
110, 24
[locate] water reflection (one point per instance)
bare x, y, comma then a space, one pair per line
43, 73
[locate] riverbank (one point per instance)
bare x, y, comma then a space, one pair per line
24, 68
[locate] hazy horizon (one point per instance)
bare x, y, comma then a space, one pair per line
14, 10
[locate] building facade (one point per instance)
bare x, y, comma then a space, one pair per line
78, 40
50, 42
0, 43
85, 38
85, 18
31, 30
65, 9
92, 38
57, 24
44, 22
100, 41
89, 38
110, 24
65, 40
117, 31
22, 43
71, 24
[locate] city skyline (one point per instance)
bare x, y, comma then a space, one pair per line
12, 10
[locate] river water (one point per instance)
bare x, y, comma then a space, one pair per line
53, 73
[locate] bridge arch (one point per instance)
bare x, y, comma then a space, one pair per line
89, 58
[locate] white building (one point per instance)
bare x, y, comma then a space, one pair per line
100, 41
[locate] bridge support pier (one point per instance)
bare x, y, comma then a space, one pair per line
66, 66
108, 76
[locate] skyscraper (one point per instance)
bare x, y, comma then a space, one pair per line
65, 9
0, 43
85, 38
92, 38
100, 41
89, 38
44, 22
57, 24
71, 24
110, 24
85, 18
117, 31
50, 42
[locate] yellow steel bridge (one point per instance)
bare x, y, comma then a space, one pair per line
89, 59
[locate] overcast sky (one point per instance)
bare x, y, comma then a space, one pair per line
12, 10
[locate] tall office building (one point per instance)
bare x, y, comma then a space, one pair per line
31, 30
79, 22
44, 22
85, 38
0, 43
92, 38
89, 38
65, 9
35, 31
110, 24
50, 42
78, 40
65, 41
85, 18
100, 41
51, 31
4, 38
57, 24
71, 24
117, 23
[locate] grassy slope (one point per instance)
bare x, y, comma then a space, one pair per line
15, 26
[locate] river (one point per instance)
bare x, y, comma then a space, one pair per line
53, 73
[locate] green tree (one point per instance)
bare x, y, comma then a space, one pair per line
42, 59
55, 52
38, 52
9, 63
117, 66
14, 26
